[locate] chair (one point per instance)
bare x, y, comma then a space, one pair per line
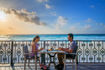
27, 56
75, 58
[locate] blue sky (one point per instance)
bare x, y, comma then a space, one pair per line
60, 16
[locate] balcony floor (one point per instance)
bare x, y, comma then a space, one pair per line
81, 66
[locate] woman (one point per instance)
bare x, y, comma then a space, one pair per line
35, 49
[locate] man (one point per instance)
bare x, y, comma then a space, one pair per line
71, 49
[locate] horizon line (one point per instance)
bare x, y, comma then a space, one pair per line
58, 34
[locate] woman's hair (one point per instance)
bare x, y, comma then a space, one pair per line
35, 38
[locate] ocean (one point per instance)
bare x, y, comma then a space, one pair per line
54, 37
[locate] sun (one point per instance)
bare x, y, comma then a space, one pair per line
2, 16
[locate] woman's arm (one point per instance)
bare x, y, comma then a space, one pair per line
34, 48
40, 49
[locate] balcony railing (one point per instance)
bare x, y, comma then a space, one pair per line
11, 52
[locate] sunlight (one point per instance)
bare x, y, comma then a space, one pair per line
2, 16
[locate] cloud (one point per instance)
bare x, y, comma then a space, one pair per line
100, 24
47, 6
87, 27
24, 15
42, 1
77, 28
92, 6
61, 21
53, 13
10, 28
73, 27
89, 20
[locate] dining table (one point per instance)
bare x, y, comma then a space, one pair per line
52, 54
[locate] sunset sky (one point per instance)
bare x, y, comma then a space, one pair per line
52, 16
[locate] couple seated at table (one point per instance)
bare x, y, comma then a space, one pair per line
71, 49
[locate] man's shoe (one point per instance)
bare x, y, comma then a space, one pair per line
59, 67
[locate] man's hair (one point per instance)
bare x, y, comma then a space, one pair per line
70, 35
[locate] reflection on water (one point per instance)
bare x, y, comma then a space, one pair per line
4, 37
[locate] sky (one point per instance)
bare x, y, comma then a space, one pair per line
52, 16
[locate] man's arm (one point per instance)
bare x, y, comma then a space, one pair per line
66, 50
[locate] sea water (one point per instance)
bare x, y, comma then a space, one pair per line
54, 37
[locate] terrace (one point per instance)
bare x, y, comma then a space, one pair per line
91, 54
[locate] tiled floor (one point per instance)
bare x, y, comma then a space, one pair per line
81, 66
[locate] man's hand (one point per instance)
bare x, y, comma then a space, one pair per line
60, 49
69, 51
41, 48
65, 49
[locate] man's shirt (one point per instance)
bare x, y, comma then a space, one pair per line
73, 46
